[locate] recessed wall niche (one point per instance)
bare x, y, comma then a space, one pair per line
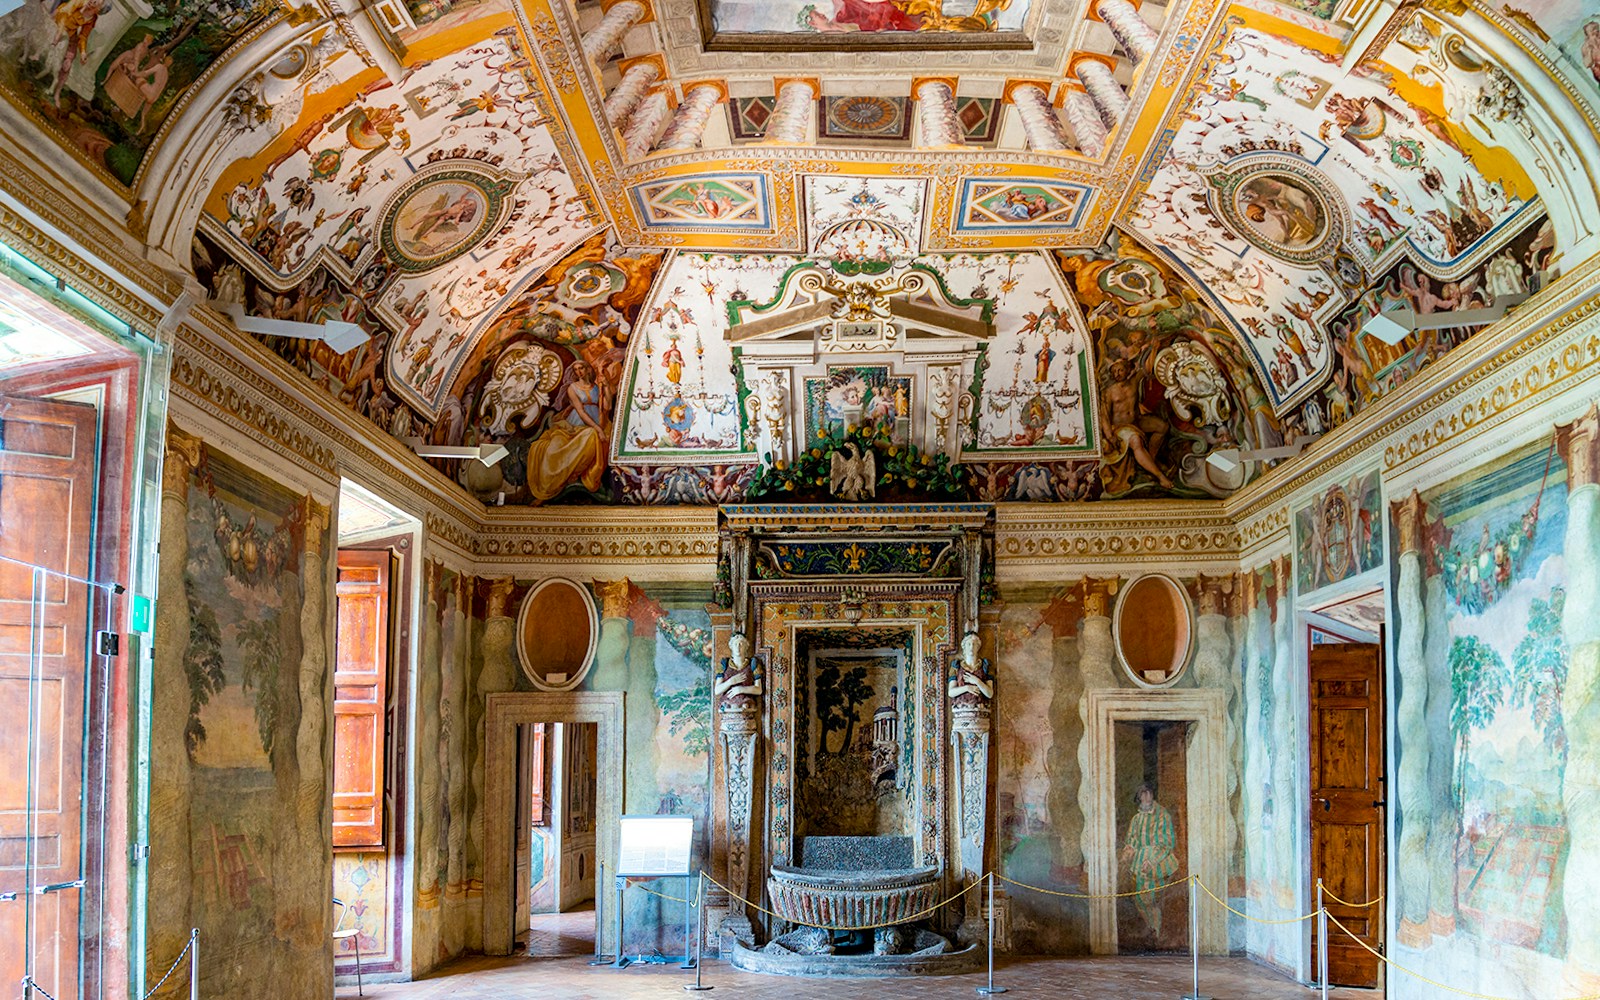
557, 630
1154, 631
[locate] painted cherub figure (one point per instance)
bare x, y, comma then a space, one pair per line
739, 683
970, 685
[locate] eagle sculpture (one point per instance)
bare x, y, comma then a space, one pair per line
854, 474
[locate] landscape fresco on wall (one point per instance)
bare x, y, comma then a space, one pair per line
1174, 384
849, 770
104, 77
1339, 534
250, 832
1497, 538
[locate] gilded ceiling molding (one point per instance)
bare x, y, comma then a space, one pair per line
1067, 538
660, 543
119, 298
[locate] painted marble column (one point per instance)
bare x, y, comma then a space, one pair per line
308, 834
1580, 624
688, 128
1105, 93
602, 42
171, 854
1039, 122
1444, 810
1213, 668
1257, 715
792, 112
630, 92
1411, 723
494, 674
430, 774
645, 124
936, 115
1131, 31
1086, 124
1285, 736
1097, 661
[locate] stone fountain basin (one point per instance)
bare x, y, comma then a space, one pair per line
852, 900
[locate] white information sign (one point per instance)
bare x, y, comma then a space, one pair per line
655, 845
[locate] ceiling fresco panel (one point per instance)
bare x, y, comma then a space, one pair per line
438, 201
1286, 186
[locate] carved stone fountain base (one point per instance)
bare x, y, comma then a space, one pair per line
933, 956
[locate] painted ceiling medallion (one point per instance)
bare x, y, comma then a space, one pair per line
863, 116
1279, 204
445, 211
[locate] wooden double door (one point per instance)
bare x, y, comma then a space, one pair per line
1347, 806
47, 509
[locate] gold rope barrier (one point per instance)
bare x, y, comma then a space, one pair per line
1090, 895
1419, 976
1345, 902
1239, 913
676, 899
902, 920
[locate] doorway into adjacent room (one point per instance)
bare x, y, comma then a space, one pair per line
1347, 787
557, 843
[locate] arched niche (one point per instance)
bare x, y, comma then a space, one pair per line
1153, 630
557, 630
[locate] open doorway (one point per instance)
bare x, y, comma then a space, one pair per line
557, 826
372, 680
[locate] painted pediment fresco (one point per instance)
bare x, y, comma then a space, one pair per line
1302, 199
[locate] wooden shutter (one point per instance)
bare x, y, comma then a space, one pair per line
47, 502
360, 695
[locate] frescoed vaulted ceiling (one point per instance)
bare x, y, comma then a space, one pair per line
680, 251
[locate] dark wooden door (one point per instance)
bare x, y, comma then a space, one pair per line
47, 487
1347, 803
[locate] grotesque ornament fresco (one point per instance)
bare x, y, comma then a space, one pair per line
1174, 384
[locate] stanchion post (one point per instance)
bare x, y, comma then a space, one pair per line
991, 989
699, 943
599, 921
688, 912
1322, 940
194, 963
1194, 938
622, 961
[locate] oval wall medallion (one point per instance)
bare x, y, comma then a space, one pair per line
1153, 630
446, 210
557, 631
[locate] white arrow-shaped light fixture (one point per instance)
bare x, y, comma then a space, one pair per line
1395, 325
1228, 460
341, 336
488, 454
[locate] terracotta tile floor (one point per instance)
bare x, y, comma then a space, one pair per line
560, 935
1128, 978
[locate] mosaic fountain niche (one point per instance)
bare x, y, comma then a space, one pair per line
853, 726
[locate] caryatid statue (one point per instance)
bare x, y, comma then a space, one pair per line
738, 686
970, 685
